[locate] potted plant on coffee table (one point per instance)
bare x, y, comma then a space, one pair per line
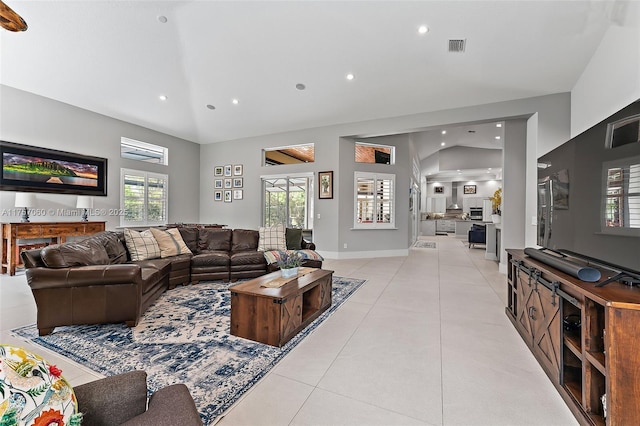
289, 263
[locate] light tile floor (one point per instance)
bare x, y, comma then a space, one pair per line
425, 341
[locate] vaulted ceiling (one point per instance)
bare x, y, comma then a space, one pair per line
118, 57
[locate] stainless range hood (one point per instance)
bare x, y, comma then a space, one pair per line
454, 198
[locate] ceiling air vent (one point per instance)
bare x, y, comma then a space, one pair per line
457, 45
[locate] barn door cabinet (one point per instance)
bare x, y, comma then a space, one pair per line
586, 338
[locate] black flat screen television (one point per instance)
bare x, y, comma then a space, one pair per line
589, 192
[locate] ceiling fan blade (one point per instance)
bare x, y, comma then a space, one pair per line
10, 20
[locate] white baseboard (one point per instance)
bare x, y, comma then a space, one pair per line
363, 254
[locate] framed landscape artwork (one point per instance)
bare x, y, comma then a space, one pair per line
33, 169
438, 189
469, 189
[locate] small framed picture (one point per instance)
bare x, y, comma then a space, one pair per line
237, 170
228, 183
217, 184
438, 189
237, 194
237, 182
469, 189
326, 185
218, 171
227, 196
227, 170
217, 196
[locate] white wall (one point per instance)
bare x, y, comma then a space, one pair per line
34, 120
611, 80
332, 230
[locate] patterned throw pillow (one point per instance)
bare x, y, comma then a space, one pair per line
34, 391
272, 238
170, 242
141, 245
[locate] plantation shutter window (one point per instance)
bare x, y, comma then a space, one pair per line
374, 200
144, 199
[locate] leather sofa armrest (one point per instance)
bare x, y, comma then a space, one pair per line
306, 245
169, 406
113, 400
81, 276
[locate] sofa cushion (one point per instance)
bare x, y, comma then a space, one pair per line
294, 238
75, 253
216, 239
247, 258
170, 242
190, 237
115, 248
244, 240
141, 245
210, 258
272, 238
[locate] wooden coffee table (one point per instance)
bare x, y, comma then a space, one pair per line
274, 315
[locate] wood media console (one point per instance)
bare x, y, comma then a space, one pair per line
274, 315
586, 338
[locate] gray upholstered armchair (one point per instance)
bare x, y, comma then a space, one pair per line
122, 400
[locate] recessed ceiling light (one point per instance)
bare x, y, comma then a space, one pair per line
163, 97
498, 124
444, 132
210, 106
162, 19
235, 101
497, 137
489, 168
457, 170
300, 86
350, 76
442, 144
423, 29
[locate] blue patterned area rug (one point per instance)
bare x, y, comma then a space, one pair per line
183, 338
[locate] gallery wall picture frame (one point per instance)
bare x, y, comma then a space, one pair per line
238, 182
227, 170
469, 189
237, 170
218, 183
28, 168
326, 185
238, 194
227, 196
218, 171
228, 183
438, 189
217, 196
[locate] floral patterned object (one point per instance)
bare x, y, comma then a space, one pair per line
34, 392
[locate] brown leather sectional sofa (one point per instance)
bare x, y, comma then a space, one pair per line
93, 281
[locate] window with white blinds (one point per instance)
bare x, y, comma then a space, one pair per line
143, 151
144, 198
374, 200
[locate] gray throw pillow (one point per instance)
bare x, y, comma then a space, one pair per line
294, 239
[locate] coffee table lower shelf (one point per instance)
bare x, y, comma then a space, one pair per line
274, 315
